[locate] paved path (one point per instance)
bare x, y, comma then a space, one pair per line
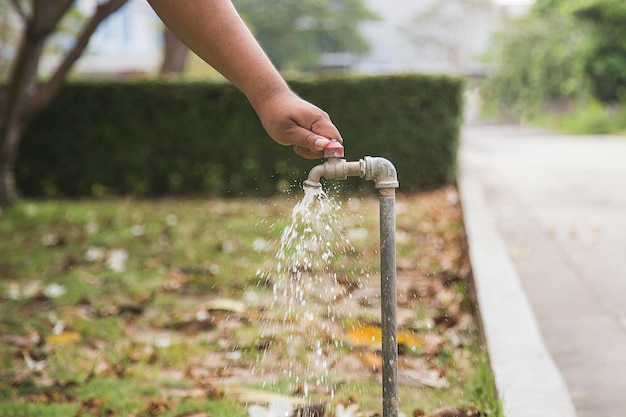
559, 204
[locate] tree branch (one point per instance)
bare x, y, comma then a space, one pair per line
46, 16
19, 9
53, 85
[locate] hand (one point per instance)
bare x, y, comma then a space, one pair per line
290, 120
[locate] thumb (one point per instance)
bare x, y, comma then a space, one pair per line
319, 136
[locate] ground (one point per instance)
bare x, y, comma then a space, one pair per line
146, 308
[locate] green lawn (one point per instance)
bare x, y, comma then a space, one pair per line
166, 308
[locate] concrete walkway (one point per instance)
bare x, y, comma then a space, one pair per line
557, 204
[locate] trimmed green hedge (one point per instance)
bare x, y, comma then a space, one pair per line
154, 139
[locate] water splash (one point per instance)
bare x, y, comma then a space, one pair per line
306, 294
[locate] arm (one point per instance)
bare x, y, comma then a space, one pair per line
216, 33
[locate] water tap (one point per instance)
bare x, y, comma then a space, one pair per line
380, 170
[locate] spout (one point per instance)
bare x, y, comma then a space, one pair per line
334, 169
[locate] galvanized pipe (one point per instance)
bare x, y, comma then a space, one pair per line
388, 301
384, 175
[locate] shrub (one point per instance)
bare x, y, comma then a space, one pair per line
154, 139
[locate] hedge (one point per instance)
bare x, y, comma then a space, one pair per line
155, 139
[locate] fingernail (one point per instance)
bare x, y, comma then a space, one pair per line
321, 143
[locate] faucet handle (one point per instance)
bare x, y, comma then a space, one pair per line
333, 150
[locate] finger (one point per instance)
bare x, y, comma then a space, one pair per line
307, 153
325, 128
315, 142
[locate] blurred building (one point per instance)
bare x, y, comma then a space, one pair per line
432, 36
407, 38
128, 42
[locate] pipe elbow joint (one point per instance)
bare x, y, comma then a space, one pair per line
382, 172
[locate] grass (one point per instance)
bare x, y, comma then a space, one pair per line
581, 117
82, 336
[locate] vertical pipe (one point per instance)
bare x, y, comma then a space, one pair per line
388, 301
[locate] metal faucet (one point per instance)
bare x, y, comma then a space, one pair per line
385, 178
377, 169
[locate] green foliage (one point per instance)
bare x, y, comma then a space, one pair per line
296, 34
153, 139
588, 117
536, 61
561, 52
606, 58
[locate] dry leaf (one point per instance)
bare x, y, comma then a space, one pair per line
155, 408
64, 338
456, 412
371, 360
430, 378
246, 395
370, 336
226, 304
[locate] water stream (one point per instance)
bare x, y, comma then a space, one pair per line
306, 296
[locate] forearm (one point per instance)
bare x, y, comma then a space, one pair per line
215, 32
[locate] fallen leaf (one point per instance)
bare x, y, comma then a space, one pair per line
456, 412
350, 410
246, 395
51, 396
430, 378
371, 360
64, 338
116, 260
184, 392
310, 410
54, 290
155, 408
226, 304
95, 406
275, 408
52, 240
370, 336
21, 376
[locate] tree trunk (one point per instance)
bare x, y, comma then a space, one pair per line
24, 98
174, 55
13, 113
8, 194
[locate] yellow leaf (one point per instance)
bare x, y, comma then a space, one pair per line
410, 339
370, 336
64, 338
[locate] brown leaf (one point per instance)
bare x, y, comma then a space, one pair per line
96, 406
155, 408
310, 410
21, 376
193, 326
51, 396
445, 320
456, 412
371, 360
